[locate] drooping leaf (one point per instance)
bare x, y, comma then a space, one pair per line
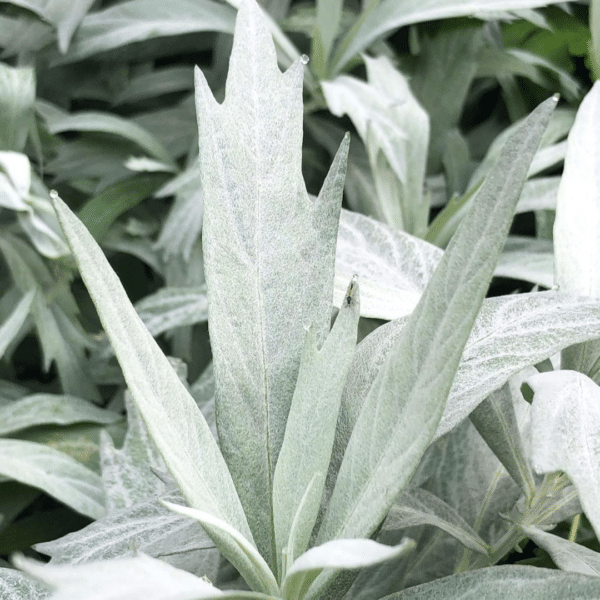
41, 409
338, 554
146, 526
565, 433
258, 223
567, 555
105, 122
55, 473
139, 20
390, 15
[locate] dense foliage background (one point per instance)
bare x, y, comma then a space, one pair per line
96, 101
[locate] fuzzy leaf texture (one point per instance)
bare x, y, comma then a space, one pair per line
404, 405
269, 256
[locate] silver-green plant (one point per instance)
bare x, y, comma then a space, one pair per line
306, 492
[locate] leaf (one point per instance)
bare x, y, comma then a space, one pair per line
329, 14
126, 473
12, 325
269, 268
496, 421
566, 555
16, 106
533, 326
40, 409
528, 259
390, 15
139, 20
146, 526
171, 415
139, 577
310, 429
108, 123
100, 212
417, 506
252, 566
55, 473
337, 554
14, 585
393, 267
156, 83
405, 403
576, 245
446, 61
565, 433
395, 130
539, 194
54, 313
506, 582
173, 307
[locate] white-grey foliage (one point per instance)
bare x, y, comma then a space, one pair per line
565, 433
269, 256
15, 585
394, 267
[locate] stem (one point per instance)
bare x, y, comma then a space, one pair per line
574, 528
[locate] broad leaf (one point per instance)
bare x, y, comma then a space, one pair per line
55, 473
565, 433
567, 555
258, 224
405, 403
140, 577
577, 224
147, 526
394, 267
306, 450
507, 582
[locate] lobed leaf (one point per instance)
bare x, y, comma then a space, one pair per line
268, 256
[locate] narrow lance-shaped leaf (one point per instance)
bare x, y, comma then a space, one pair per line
10, 328
311, 424
496, 422
269, 256
405, 403
171, 415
